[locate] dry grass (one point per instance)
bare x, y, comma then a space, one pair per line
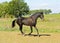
15, 37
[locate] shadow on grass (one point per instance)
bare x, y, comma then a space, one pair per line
37, 35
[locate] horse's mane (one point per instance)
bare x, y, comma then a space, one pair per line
36, 13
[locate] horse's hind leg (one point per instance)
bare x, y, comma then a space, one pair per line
21, 29
31, 30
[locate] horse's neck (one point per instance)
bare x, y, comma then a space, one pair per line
35, 17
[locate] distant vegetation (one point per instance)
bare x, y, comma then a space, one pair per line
17, 8
45, 11
13, 8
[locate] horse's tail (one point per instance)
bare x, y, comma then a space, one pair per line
13, 23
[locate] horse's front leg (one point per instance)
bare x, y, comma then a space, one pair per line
31, 30
21, 26
36, 30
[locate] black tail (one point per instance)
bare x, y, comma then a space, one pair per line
13, 23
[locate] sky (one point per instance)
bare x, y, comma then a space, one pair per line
54, 5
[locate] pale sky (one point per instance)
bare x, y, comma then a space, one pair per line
54, 5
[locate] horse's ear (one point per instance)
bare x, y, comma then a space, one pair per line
41, 13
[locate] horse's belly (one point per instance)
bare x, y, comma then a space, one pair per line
29, 24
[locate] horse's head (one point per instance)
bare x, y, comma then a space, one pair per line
41, 15
38, 14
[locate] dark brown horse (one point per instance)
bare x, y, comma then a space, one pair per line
29, 21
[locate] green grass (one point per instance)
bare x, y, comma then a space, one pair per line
50, 25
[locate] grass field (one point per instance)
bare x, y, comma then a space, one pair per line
49, 31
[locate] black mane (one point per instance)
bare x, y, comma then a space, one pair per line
36, 13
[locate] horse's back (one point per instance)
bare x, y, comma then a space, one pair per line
28, 21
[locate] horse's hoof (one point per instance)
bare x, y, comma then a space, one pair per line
29, 34
38, 35
23, 35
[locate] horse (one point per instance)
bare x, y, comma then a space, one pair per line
28, 21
